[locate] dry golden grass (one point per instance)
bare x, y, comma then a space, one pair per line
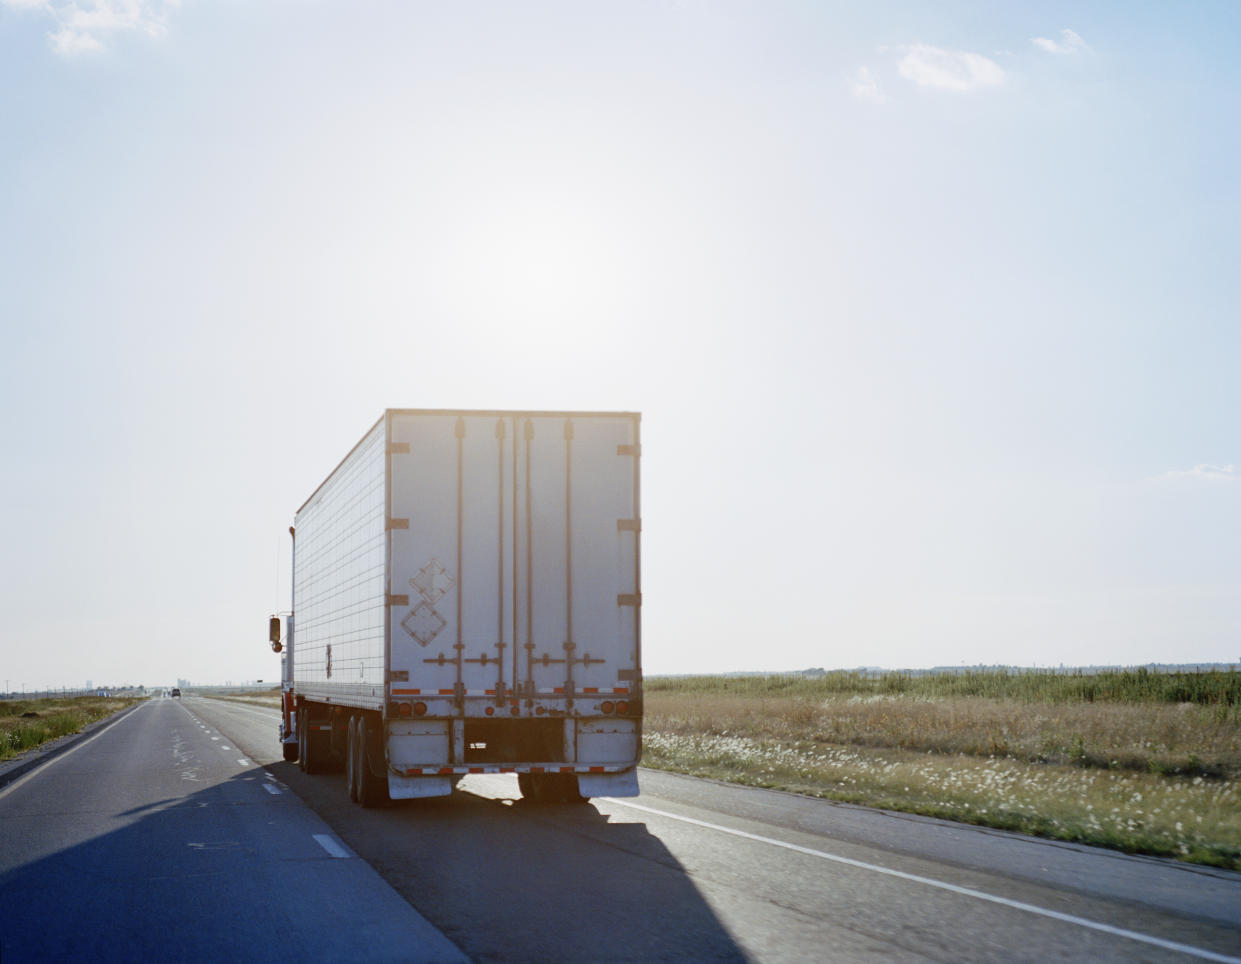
1160, 738
1150, 778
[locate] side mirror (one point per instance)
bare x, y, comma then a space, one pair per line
273, 633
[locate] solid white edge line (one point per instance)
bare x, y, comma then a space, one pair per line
942, 885
244, 763
329, 843
59, 756
271, 788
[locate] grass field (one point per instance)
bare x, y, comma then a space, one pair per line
25, 724
1139, 761
268, 697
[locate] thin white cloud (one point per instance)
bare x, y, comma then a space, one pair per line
866, 86
958, 70
1207, 472
1070, 42
80, 27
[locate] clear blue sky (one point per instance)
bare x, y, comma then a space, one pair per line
931, 311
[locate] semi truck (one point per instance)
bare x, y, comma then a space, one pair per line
466, 598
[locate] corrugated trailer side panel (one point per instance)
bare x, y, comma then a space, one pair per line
339, 581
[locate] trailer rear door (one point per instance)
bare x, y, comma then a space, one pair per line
513, 553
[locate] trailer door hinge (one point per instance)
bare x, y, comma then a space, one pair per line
629, 450
397, 600
628, 525
629, 599
398, 448
398, 676
396, 524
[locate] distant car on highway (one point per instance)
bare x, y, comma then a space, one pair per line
174, 692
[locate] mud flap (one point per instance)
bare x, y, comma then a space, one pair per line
411, 788
608, 784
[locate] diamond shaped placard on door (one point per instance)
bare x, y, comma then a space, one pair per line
432, 581
423, 623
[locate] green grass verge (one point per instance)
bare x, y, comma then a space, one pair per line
26, 724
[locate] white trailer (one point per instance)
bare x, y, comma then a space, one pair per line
466, 597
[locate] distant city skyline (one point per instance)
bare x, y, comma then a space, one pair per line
930, 311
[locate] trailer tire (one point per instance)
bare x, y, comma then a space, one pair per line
314, 751
301, 740
351, 759
569, 791
372, 787
528, 786
550, 788
290, 751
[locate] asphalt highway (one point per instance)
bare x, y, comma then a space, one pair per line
689, 871
158, 838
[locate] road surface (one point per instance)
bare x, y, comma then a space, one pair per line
158, 838
694, 870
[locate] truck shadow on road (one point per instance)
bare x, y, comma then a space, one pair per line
508, 880
211, 872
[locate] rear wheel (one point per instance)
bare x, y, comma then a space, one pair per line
569, 792
351, 759
372, 787
313, 757
528, 787
301, 740
290, 751
550, 788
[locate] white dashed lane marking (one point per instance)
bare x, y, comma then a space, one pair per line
331, 845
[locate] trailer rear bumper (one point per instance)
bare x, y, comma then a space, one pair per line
623, 784
592, 781
465, 769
